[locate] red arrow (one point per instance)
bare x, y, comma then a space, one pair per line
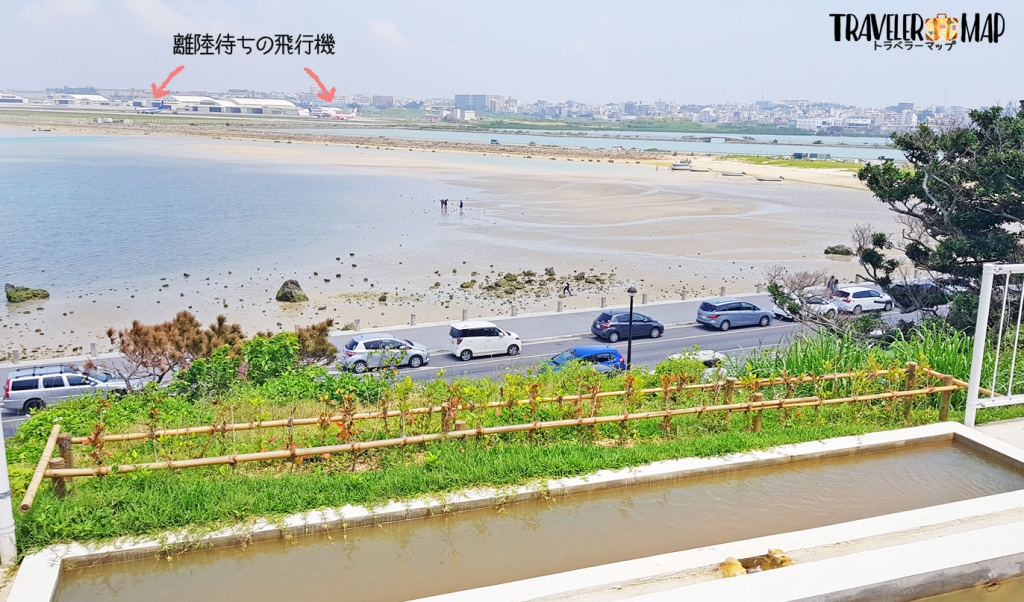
160, 92
324, 95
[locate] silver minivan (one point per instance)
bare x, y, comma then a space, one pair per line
35, 388
367, 351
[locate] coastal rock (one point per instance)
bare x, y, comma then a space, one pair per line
291, 292
17, 294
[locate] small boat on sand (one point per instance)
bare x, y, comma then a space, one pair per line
734, 173
769, 179
682, 166
700, 169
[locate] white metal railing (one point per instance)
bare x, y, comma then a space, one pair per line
1008, 329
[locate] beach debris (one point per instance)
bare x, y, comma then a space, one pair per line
291, 292
731, 568
17, 294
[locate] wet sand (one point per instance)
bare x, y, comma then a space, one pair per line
659, 230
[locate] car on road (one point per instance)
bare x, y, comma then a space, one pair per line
811, 303
714, 362
472, 339
602, 357
725, 313
857, 299
614, 325
113, 379
32, 389
368, 351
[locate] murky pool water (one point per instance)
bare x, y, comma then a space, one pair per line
425, 557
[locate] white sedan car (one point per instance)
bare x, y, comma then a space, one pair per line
813, 303
857, 299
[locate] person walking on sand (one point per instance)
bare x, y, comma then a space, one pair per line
566, 290
460, 206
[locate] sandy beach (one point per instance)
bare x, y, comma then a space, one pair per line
628, 222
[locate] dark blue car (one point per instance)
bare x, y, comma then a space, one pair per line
602, 357
614, 325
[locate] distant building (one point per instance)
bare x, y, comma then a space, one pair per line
383, 102
480, 102
180, 103
9, 99
82, 100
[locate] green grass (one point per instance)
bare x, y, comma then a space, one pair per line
804, 163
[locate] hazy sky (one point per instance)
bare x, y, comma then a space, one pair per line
594, 51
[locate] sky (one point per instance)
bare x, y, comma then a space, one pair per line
594, 51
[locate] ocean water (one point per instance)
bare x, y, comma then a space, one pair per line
87, 211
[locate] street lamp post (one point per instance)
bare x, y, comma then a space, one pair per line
629, 333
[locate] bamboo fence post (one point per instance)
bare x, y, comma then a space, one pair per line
759, 399
37, 476
944, 398
59, 485
65, 450
908, 403
727, 395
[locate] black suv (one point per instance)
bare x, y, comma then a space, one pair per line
614, 325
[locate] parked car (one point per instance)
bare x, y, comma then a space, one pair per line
724, 313
367, 351
472, 339
812, 303
602, 357
114, 379
614, 325
714, 362
32, 389
855, 299
920, 293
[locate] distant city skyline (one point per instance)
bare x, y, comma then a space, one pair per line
591, 52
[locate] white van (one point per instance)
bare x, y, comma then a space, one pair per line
470, 339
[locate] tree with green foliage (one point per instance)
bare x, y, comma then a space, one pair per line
961, 201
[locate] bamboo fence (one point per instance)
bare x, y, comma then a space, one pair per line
726, 386
757, 404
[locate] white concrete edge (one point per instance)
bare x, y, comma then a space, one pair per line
54, 557
898, 573
636, 307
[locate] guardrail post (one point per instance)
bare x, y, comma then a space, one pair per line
357, 326
603, 302
945, 398
643, 300
92, 349
559, 305
911, 385
722, 294
465, 315
296, 329
412, 319
514, 310
14, 356
684, 294
757, 287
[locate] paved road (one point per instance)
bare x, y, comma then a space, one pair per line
646, 352
548, 325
